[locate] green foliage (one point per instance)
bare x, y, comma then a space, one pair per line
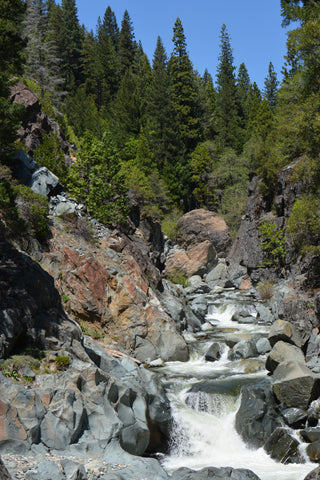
33, 209
273, 244
304, 224
97, 180
178, 278
169, 223
203, 160
89, 329
62, 362
50, 155
9, 215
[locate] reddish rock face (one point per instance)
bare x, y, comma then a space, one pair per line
197, 260
200, 225
110, 286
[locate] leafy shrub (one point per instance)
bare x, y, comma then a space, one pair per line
304, 224
9, 213
49, 154
170, 222
33, 209
273, 244
62, 362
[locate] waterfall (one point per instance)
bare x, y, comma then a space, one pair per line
204, 398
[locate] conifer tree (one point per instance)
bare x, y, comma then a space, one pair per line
270, 87
11, 47
243, 84
229, 132
108, 44
186, 114
127, 44
42, 62
159, 107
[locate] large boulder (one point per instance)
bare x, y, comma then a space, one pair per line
212, 473
200, 225
257, 417
44, 182
286, 331
295, 384
196, 260
283, 352
281, 446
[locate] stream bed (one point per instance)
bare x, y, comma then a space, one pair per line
205, 397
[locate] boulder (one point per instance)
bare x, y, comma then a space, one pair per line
295, 384
212, 473
213, 353
281, 446
202, 225
310, 434
313, 475
73, 470
264, 314
197, 260
243, 349
313, 351
44, 182
263, 346
218, 275
283, 352
257, 417
313, 451
285, 331
294, 417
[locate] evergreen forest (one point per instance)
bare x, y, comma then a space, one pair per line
155, 131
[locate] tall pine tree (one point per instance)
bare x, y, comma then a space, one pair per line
228, 123
270, 87
127, 44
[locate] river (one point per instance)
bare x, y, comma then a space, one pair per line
205, 397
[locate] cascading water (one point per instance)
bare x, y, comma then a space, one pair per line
205, 397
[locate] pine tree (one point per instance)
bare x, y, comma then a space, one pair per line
68, 35
243, 84
209, 117
42, 63
127, 44
270, 87
228, 123
252, 106
11, 47
108, 44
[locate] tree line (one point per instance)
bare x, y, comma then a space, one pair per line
171, 138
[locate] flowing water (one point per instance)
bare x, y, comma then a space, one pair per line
205, 397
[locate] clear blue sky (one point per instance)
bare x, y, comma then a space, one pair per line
253, 25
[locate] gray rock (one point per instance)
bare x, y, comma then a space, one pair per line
135, 438
65, 208
283, 352
263, 346
310, 434
213, 353
212, 473
264, 314
73, 470
45, 471
294, 417
281, 446
285, 331
4, 474
313, 451
44, 182
314, 475
243, 349
257, 416
295, 384
218, 275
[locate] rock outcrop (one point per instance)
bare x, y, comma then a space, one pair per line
200, 225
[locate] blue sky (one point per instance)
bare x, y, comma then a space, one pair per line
253, 25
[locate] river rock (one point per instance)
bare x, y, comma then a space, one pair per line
213, 353
44, 182
213, 473
294, 417
257, 416
243, 349
314, 475
45, 470
285, 331
218, 275
313, 351
283, 352
201, 225
73, 470
281, 446
232, 339
264, 314
295, 384
4, 474
263, 346
313, 451
310, 434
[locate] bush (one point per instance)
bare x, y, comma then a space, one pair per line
304, 224
265, 289
49, 154
273, 244
33, 209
